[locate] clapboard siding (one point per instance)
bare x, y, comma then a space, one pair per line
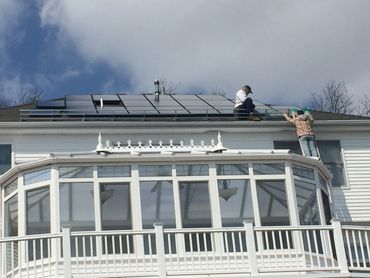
353, 202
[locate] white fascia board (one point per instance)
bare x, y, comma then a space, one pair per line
170, 158
11, 128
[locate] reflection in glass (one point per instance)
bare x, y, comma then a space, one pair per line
38, 221
11, 216
116, 215
11, 229
327, 210
37, 176
11, 187
115, 210
272, 202
76, 172
192, 170
307, 203
303, 172
238, 207
157, 206
155, 170
195, 213
77, 206
232, 169
157, 203
114, 171
268, 168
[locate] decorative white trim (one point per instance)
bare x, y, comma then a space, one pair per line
161, 147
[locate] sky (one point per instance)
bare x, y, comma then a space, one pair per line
284, 49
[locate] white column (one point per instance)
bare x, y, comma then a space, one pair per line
251, 247
159, 242
66, 239
339, 245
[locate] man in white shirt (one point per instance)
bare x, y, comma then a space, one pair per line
244, 104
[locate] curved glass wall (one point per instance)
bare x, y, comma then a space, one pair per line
183, 195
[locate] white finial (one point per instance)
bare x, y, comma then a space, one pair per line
100, 145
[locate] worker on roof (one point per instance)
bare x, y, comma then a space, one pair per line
306, 137
244, 104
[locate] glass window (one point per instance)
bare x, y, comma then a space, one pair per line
11, 216
308, 208
330, 154
115, 206
5, 158
157, 204
293, 146
192, 170
272, 202
11, 187
327, 210
195, 205
303, 172
77, 205
38, 211
268, 168
36, 176
323, 183
235, 201
155, 170
114, 171
232, 169
76, 172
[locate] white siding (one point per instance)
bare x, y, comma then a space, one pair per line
353, 202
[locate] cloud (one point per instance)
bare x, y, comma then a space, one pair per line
283, 49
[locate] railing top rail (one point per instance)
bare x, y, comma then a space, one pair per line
294, 228
355, 227
29, 237
203, 230
113, 232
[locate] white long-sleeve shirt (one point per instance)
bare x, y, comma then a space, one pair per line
240, 97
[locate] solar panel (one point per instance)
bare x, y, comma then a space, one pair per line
106, 97
80, 104
53, 104
78, 97
165, 104
138, 104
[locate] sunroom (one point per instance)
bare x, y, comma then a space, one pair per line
112, 207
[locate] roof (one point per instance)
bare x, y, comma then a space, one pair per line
147, 107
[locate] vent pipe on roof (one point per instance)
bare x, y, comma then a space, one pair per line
101, 104
157, 90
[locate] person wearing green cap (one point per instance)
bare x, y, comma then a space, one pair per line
306, 137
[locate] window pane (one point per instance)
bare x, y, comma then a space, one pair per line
232, 169
37, 176
77, 206
11, 187
155, 170
38, 211
303, 172
238, 206
329, 150
157, 203
114, 171
307, 203
76, 172
192, 170
327, 210
268, 168
11, 216
338, 175
5, 158
272, 202
115, 206
293, 146
195, 206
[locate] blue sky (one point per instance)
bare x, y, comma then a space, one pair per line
284, 49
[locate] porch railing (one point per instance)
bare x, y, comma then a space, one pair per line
174, 252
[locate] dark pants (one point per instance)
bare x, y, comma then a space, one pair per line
245, 109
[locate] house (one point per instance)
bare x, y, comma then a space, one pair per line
174, 185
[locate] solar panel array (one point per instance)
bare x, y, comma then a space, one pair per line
131, 105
